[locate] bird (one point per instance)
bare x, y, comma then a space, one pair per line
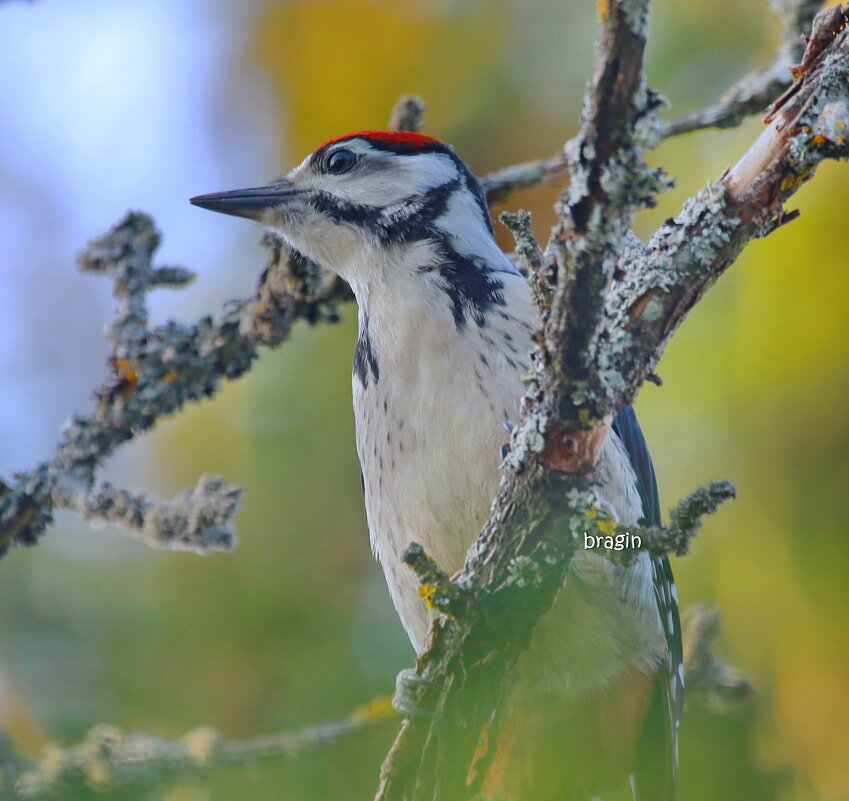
445, 332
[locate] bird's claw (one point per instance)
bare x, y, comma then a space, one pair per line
409, 689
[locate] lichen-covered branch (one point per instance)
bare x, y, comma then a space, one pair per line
686, 519
531, 260
438, 591
610, 181
615, 302
109, 759
153, 373
750, 95
753, 93
663, 280
675, 538
199, 519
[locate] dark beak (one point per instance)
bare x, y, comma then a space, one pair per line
249, 203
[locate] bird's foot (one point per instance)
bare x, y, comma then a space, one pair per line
410, 688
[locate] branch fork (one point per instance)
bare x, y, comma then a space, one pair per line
609, 303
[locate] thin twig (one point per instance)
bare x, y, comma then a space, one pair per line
499, 185
199, 517
685, 520
109, 758
408, 113
753, 93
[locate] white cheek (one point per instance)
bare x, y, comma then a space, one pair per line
377, 189
329, 244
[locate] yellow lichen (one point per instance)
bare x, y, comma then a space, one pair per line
125, 368
607, 526
200, 744
377, 709
603, 8
427, 592
792, 181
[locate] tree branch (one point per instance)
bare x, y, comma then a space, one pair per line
750, 95
198, 520
614, 305
408, 113
665, 279
685, 520
499, 185
109, 759
753, 93
154, 373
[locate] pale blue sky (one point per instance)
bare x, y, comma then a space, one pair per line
107, 105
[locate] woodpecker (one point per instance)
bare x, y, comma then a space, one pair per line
445, 335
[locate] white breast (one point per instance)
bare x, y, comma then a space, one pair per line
429, 434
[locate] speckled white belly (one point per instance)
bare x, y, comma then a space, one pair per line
429, 444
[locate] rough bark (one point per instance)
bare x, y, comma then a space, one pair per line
601, 340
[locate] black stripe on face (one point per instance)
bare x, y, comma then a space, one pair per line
379, 160
411, 221
472, 288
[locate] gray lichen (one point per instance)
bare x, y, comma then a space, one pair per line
523, 572
154, 372
636, 13
199, 520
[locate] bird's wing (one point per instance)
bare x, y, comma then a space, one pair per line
656, 774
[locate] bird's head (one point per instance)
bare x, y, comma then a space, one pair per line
365, 203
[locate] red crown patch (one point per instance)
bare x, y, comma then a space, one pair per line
406, 140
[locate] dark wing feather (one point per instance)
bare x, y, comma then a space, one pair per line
656, 774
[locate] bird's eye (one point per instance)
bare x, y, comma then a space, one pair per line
341, 161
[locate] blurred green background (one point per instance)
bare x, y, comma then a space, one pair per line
296, 626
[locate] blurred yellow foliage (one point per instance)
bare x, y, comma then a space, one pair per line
340, 65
